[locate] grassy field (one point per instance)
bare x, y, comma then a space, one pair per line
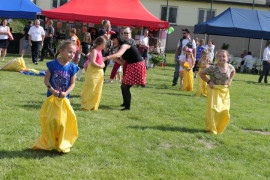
162, 137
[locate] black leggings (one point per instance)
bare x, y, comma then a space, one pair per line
126, 95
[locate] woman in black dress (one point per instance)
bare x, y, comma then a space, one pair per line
135, 71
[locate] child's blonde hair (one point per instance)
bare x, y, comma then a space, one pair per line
85, 35
63, 46
224, 51
73, 30
205, 51
191, 55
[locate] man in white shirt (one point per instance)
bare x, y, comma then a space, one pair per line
144, 45
266, 64
36, 38
184, 41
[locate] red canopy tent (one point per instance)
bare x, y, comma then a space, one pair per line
119, 12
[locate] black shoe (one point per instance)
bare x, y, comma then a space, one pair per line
125, 109
173, 84
36, 63
123, 105
259, 81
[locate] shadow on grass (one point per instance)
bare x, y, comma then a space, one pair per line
32, 104
75, 96
167, 128
178, 94
157, 86
29, 154
248, 82
77, 107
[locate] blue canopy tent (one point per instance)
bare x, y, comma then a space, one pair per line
20, 9
238, 22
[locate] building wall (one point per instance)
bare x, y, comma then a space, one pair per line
187, 17
44, 4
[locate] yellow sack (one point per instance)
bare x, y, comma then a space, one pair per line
188, 80
16, 64
201, 87
92, 89
218, 106
58, 124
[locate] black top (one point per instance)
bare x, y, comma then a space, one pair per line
101, 32
132, 55
85, 47
50, 30
132, 42
26, 29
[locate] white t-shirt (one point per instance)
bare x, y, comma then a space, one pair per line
266, 54
144, 40
181, 59
184, 43
211, 52
36, 33
3, 29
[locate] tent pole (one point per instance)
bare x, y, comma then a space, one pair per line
248, 43
167, 30
261, 49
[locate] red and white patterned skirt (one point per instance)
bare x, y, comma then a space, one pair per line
135, 74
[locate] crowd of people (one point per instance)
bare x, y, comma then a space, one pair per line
193, 59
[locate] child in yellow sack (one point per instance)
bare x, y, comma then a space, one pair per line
204, 62
94, 77
218, 97
57, 118
188, 65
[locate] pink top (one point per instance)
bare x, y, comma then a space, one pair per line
189, 60
77, 52
99, 59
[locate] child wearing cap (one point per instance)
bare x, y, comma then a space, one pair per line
188, 65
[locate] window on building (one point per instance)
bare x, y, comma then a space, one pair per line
205, 15
170, 15
57, 3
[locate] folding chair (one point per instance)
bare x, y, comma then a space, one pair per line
258, 65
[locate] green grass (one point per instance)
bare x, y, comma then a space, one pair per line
162, 137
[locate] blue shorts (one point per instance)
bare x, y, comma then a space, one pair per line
26, 44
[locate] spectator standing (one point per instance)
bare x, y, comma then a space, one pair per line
72, 33
211, 48
36, 39
200, 47
25, 33
266, 64
4, 31
105, 32
144, 46
184, 41
48, 42
85, 52
94, 34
